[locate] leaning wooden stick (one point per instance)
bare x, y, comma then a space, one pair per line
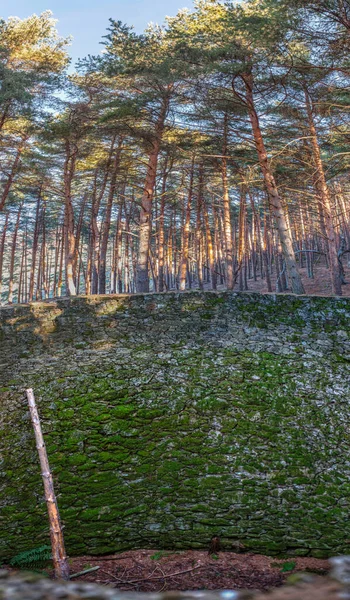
59, 557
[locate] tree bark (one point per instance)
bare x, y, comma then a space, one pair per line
107, 220
35, 246
59, 557
12, 258
199, 234
142, 277
70, 244
242, 234
211, 256
186, 234
2, 250
227, 215
323, 192
161, 236
272, 190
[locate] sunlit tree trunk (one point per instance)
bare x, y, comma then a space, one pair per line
323, 191
211, 255
2, 250
227, 215
35, 246
60, 267
107, 219
199, 233
70, 244
21, 272
12, 257
161, 233
186, 234
271, 187
142, 277
242, 234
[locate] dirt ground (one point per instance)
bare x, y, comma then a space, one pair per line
159, 571
319, 286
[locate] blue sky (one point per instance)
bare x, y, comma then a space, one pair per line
87, 20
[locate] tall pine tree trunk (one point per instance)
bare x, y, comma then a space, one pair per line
12, 257
227, 216
2, 250
186, 234
70, 244
199, 235
323, 193
161, 234
142, 277
242, 234
271, 187
107, 220
211, 255
35, 246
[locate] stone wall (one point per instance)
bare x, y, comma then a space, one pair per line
170, 418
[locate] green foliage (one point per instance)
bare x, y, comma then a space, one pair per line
162, 554
31, 53
158, 555
288, 566
34, 558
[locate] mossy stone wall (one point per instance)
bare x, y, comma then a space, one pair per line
170, 418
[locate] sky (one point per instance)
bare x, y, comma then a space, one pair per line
87, 20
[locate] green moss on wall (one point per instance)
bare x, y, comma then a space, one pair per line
171, 418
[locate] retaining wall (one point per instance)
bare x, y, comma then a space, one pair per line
170, 418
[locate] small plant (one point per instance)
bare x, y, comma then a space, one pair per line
32, 559
162, 554
158, 555
288, 566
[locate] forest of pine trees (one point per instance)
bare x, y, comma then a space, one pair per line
209, 153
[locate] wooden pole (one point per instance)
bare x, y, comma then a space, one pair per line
59, 557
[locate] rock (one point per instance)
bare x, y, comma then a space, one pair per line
171, 426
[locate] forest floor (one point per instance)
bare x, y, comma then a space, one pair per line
159, 571
319, 286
